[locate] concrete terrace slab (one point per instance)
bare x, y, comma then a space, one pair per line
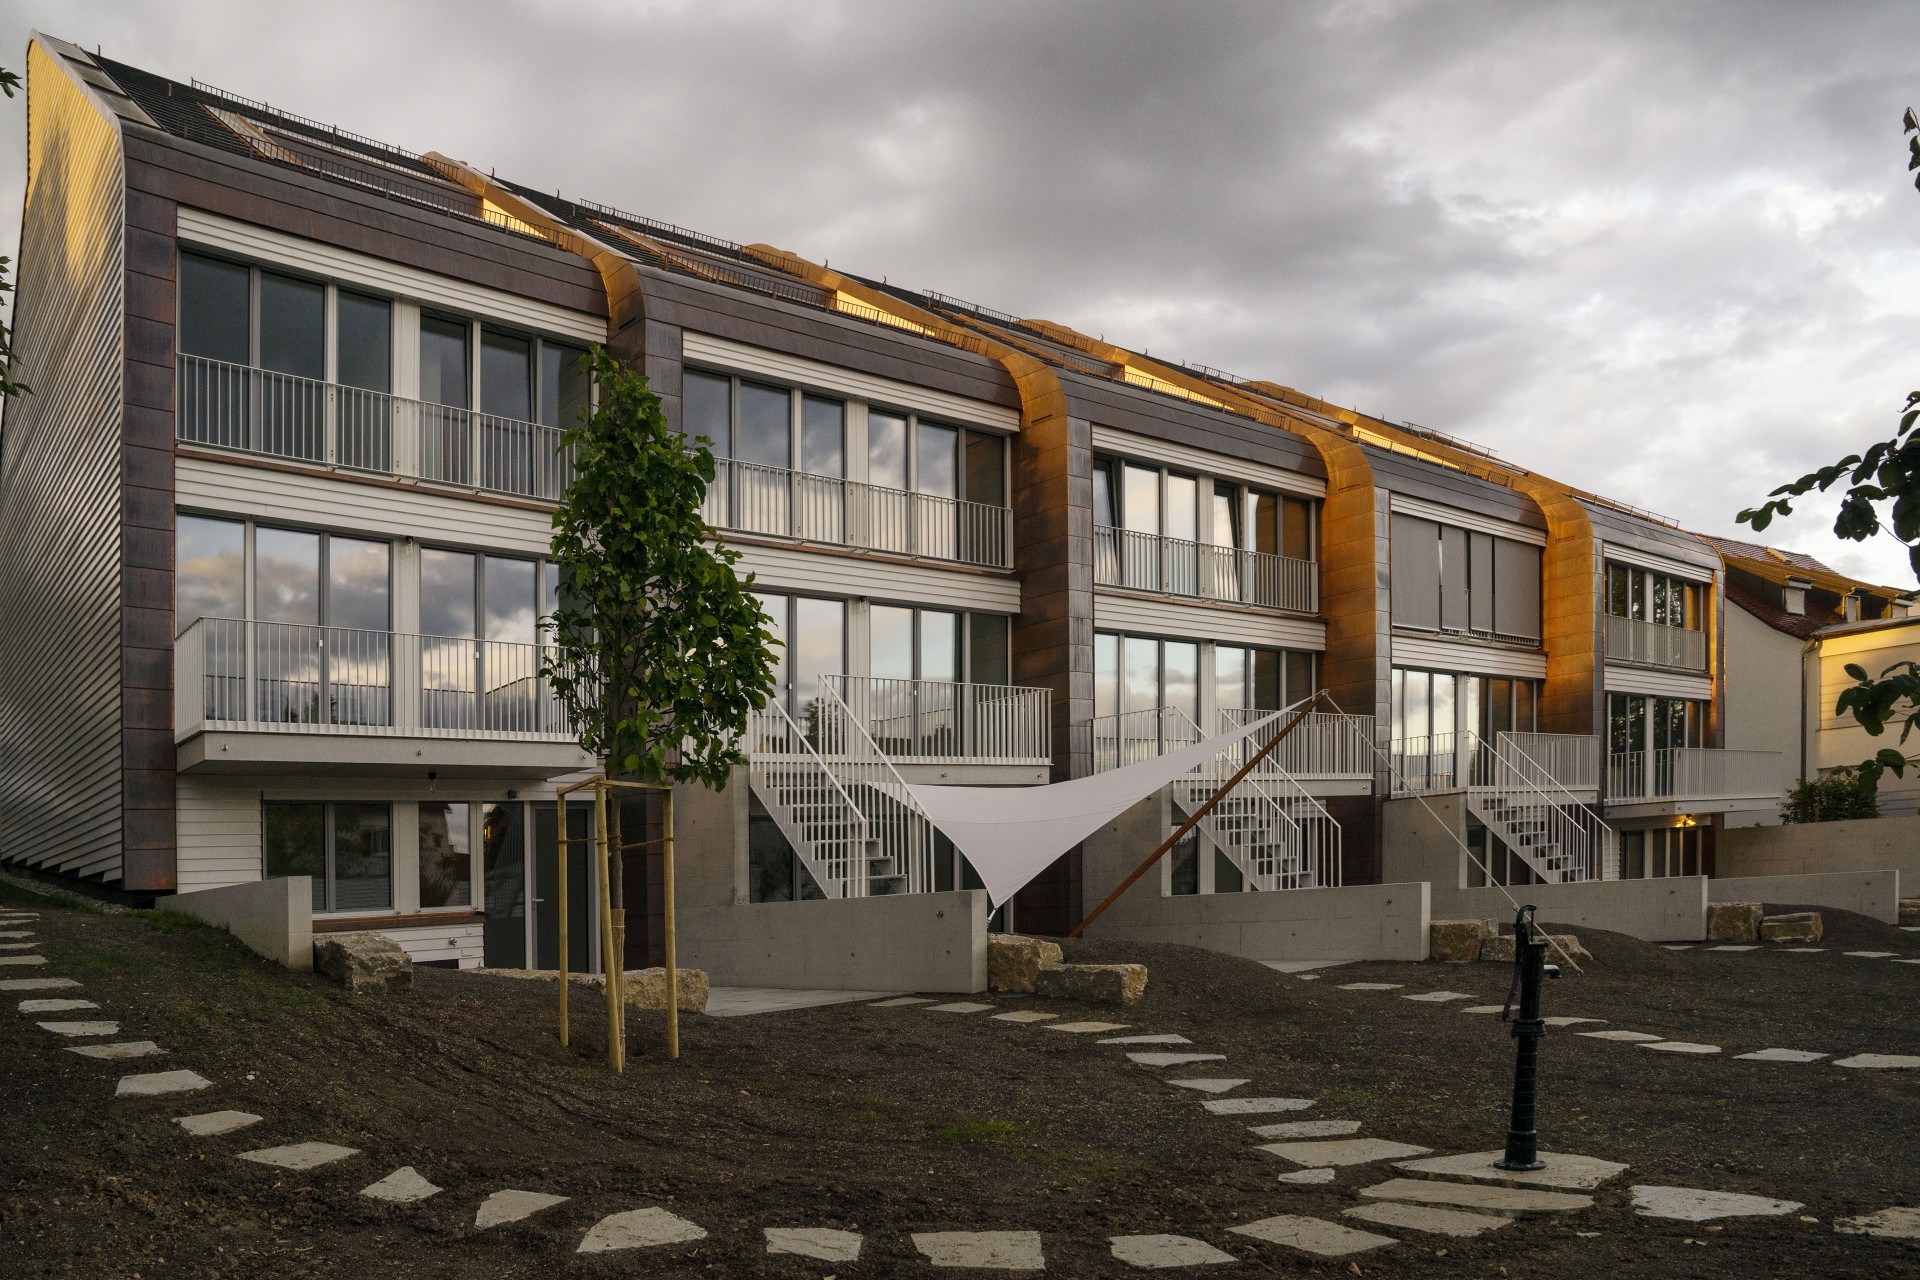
1578, 1173
1308, 1176
1166, 1039
1023, 1015
1780, 1055
1174, 1059
1371, 986
1307, 1129
1691, 1204
1898, 1223
1340, 1152
214, 1123
300, 1155
1086, 1028
55, 1006
959, 1006
1302, 966
1160, 1252
155, 1084
1466, 1195
37, 984
81, 1028
1625, 1037
824, 1244
1680, 1046
1313, 1235
1439, 997
900, 1001
125, 1049
1220, 1085
982, 1250
1254, 1106
740, 1002
402, 1186
639, 1229
1879, 1061
503, 1207
1421, 1217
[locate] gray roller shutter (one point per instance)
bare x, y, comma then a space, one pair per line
1453, 578
1416, 573
1480, 585
1516, 574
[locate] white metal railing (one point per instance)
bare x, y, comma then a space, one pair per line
1572, 760
1653, 643
1268, 825
1325, 745
1175, 566
751, 498
1693, 773
231, 673
809, 803
1435, 762
952, 723
277, 415
1134, 736
1517, 799
901, 831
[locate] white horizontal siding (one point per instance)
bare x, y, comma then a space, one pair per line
1142, 616
1664, 684
461, 942
218, 826
276, 247
1462, 519
1464, 655
824, 573
737, 357
1188, 458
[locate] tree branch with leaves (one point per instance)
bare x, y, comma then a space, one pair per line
9, 82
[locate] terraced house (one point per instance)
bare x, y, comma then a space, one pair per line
276, 526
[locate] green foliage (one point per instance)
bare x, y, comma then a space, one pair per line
9, 81
660, 654
1842, 794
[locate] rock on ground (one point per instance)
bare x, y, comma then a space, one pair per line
1734, 921
647, 989
1500, 949
363, 961
1457, 939
1120, 984
1014, 962
1910, 911
1798, 926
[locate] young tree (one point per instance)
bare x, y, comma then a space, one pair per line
660, 654
9, 81
1881, 495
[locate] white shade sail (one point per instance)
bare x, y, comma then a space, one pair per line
1012, 834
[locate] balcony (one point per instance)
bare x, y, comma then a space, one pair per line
939, 722
285, 698
1654, 644
1568, 762
1685, 780
1174, 566
1328, 753
750, 498
276, 415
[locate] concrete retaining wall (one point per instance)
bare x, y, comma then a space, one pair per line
1666, 910
1871, 893
902, 942
272, 917
1815, 848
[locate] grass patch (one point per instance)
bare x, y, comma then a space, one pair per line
974, 1129
162, 921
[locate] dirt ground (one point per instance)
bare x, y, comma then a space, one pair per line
891, 1121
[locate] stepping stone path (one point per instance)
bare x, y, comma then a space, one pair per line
982, 1250
1439, 997
214, 1123
1307, 1129
159, 1083
1745, 946
1343, 1151
1625, 1037
1167, 1251
1313, 1235
1691, 1204
894, 1003
1174, 1059
1873, 955
402, 1186
822, 1243
1169, 1039
1680, 1046
81, 1028
1899, 1223
300, 1155
1878, 1061
1493, 1199
1254, 1106
1371, 986
957, 1007
511, 1206
1579, 1173
1804, 951
125, 1049
18, 946
1569, 1022
55, 1006
1086, 1028
16, 936
1022, 1015
23, 959
1420, 1217
1486, 1008
37, 984
1324, 1174
1780, 1055
1208, 1086
639, 1229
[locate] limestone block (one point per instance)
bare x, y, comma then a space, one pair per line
1800, 926
1094, 983
1500, 949
647, 989
1014, 962
1910, 911
1733, 921
1457, 939
363, 961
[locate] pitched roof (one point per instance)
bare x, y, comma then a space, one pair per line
1775, 565
1799, 625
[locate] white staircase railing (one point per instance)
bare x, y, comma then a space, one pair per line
809, 803
1521, 802
901, 860
1269, 826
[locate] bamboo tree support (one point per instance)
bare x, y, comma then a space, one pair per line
606, 925
617, 878
566, 856
673, 962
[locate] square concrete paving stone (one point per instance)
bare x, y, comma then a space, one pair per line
1677, 946
16, 936
894, 1003
1254, 1106
155, 1084
1308, 1176
1872, 955
1625, 1037
1438, 997
1516, 1201
1878, 1061
647, 1228
81, 1028
1897, 1223
959, 1006
1780, 1055
1569, 1022
1174, 1059
1166, 1039
1307, 1129
1086, 1028
23, 960
37, 984
125, 1049
1313, 1235
1159, 1252
822, 1243
55, 1006
1339, 1152
214, 1123
982, 1250
300, 1155
1743, 946
1208, 1086
1804, 951
1021, 1015
1421, 1217
1485, 1008
28, 946
1692, 1204
503, 1207
1680, 1046
1371, 986
1578, 1173
402, 1186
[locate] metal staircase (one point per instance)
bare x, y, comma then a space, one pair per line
1559, 837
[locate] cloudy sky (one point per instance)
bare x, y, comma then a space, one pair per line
1666, 252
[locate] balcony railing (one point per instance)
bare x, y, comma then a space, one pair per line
1454, 761
1655, 644
1693, 773
1325, 745
285, 677
1571, 760
276, 415
1174, 566
751, 498
936, 721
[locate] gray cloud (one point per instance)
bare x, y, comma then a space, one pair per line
1663, 252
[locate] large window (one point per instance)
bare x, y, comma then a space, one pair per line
446, 855
480, 624
813, 643
346, 848
1653, 853
1451, 579
1638, 722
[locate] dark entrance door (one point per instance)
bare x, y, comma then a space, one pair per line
503, 837
546, 865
